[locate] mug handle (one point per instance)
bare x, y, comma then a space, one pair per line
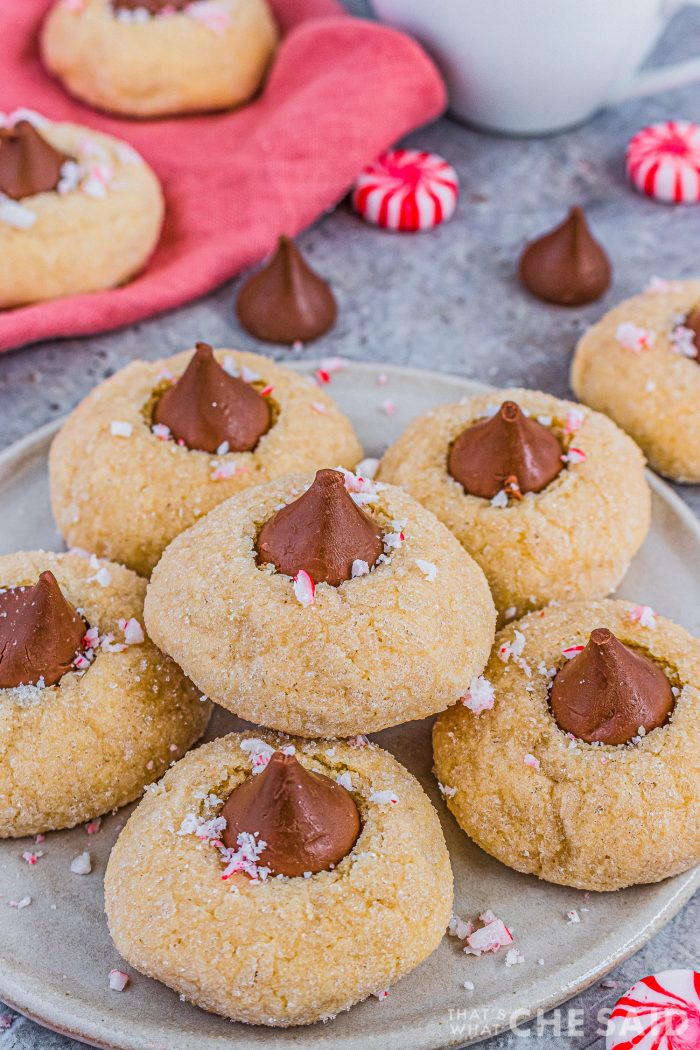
652, 81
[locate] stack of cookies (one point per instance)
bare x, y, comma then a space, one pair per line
279, 875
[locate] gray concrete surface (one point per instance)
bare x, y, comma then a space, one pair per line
446, 300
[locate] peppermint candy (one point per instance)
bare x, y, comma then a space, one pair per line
663, 161
661, 1012
406, 190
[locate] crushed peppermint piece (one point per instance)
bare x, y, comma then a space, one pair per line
118, 980
14, 214
358, 741
574, 421
531, 761
304, 589
223, 448
368, 467
345, 780
266, 390
644, 615
607, 983
469, 985
459, 928
322, 376
428, 569
513, 957
32, 858
82, 864
388, 407
133, 631
494, 934
513, 648
120, 429
381, 995
359, 568
319, 407
245, 858
23, 902
633, 337
259, 753
448, 792
574, 456
227, 470
103, 576
682, 341
93, 826
500, 499
6, 1021
510, 612
382, 379
480, 696
572, 917
572, 650
384, 798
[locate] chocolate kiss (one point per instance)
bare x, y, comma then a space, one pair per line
567, 265
308, 822
40, 633
286, 301
322, 532
154, 7
207, 407
692, 322
609, 691
28, 163
506, 451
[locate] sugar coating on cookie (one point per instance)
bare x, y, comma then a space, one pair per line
572, 540
96, 229
112, 724
399, 640
121, 486
159, 59
594, 816
315, 945
639, 365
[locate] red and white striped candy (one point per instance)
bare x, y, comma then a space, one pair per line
658, 1013
663, 161
406, 189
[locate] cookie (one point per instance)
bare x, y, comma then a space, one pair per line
640, 365
593, 815
116, 716
157, 57
79, 211
278, 950
398, 633
124, 486
563, 531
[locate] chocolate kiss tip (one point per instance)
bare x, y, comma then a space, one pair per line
28, 163
286, 301
322, 532
207, 407
609, 691
308, 822
40, 633
566, 266
509, 446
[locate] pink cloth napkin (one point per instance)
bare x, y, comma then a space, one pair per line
341, 90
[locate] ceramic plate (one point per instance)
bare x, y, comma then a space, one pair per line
56, 953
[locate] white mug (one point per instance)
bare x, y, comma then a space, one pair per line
529, 67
